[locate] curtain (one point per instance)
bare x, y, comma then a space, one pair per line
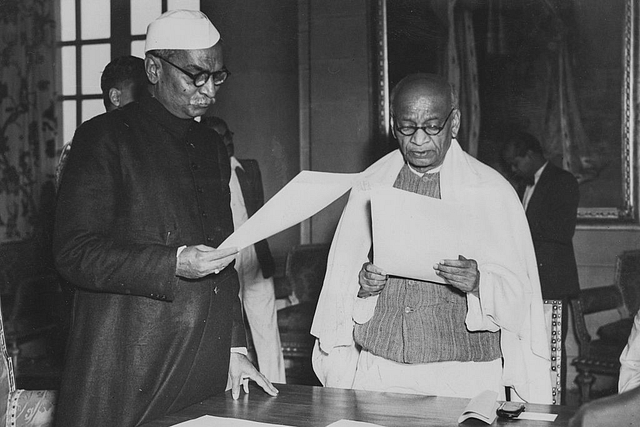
462, 72
28, 122
565, 133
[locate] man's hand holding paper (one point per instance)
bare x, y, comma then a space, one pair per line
461, 273
372, 280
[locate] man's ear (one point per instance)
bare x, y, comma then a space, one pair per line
455, 123
392, 128
530, 155
152, 68
114, 96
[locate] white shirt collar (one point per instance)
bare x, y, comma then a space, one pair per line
235, 163
421, 174
538, 173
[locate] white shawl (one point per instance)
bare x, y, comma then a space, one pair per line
510, 297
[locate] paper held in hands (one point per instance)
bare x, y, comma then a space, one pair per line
411, 233
304, 196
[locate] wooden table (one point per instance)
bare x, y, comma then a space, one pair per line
307, 406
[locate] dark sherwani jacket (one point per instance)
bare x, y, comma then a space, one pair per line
250, 180
551, 213
140, 183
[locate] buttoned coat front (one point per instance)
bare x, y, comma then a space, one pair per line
139, 184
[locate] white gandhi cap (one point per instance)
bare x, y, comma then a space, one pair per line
182, 30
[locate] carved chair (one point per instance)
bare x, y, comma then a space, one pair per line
304, 271
21, 408
601, 356
35, 314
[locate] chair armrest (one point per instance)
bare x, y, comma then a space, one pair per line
600, 298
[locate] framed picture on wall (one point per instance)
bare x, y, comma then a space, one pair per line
564, 70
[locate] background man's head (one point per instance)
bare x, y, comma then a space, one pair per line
183, 61
523, 153
221, 128
424, 119
123, 80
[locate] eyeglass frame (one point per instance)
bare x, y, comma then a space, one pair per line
424, 128
194, 77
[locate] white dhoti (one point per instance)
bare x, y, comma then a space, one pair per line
259, 303
453, 379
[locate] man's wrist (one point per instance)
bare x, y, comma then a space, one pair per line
241, 350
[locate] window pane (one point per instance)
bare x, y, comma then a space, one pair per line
94, 59
68, 57
143, 12
137, 48
183, 4
91, 108
68, 120
96, 19
67, 20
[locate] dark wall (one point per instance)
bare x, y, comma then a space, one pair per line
260, 99
270, 47
341, 105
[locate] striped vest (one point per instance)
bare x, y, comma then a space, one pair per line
422, 322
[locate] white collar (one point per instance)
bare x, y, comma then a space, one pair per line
536, 176
421, 174
235, 163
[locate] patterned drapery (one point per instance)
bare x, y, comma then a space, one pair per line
28, 122
462, 73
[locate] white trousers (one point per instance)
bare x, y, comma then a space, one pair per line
259, 303
454, 379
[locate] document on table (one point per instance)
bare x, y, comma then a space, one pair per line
304, 196
482, 407
210, 421
411, 233
350, 423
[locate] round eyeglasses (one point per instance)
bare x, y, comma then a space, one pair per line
431, 130
199, 79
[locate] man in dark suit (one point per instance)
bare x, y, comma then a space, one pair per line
142, 208
550, 199
254, 264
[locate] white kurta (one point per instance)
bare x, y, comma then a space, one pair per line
257, 294
630, 359
510, 298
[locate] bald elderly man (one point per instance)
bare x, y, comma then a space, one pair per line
142, 206
484, 329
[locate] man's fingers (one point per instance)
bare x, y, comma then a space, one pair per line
211, 254
266, 385
235, 387
372, 269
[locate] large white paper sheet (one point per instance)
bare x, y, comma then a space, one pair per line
211, 421
411, 233
305, 195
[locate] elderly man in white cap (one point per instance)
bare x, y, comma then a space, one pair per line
143, 204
